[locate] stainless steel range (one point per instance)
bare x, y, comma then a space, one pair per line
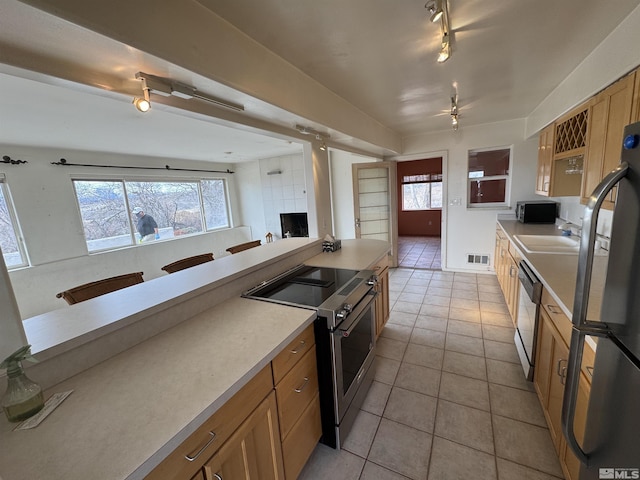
345, 336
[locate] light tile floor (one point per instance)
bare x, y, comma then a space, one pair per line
419, 252
449, 400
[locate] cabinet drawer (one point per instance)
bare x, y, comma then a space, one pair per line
557, 316
302, 439
296, 390
214, 431
292, 354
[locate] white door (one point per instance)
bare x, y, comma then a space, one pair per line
374, 201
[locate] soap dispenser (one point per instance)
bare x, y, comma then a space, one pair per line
23, 397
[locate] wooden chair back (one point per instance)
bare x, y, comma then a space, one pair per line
188, 262
100, 287
244, 246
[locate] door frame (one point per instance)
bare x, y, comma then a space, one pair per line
391, 166
444, 154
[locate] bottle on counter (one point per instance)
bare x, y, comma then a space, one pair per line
23, 397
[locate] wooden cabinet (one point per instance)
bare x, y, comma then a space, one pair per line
188, 459
552, 355
253, 451
545, 158
609, 112
561, 148
261, 432
296, 383
506, 266
382, 300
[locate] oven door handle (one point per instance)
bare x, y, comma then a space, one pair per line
355, 314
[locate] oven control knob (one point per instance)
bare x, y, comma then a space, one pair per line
348, 307
373, 280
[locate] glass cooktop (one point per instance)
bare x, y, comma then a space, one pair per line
306, 286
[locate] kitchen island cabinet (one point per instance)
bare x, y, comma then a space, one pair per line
253, 451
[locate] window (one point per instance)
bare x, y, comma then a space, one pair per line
489, 177
10, 238
177, 207
422, 192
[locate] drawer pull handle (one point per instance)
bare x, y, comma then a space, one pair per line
554, 309
301, 387
217, 477
296, 350
192, 458
589, 371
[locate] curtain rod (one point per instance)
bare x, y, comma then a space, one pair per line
63, 162
8, 159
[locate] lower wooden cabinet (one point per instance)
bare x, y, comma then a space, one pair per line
382, 300
550, 374
253, 451
506, 261
299, 408
266, 431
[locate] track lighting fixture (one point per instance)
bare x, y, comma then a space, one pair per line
319, 136
323, 146
435, 9
454, 112
166, 87
440, 13
142, 103
445, 51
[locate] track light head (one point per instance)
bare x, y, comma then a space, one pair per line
142, 104
445, 51
435, 9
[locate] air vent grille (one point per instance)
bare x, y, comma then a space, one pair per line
478, 258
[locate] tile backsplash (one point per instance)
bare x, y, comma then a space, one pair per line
571, 210
283, 189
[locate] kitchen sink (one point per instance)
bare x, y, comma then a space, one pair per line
552, 244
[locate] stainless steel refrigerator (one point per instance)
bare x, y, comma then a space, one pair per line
611, 447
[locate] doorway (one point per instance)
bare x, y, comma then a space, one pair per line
420, 198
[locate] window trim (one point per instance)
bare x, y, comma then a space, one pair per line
507, 189
17, 230
124, 179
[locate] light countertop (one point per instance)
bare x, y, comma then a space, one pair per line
354, 255
558, 272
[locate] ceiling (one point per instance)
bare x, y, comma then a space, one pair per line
379, 55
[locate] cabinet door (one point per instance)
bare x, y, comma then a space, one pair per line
556, 390
570, 461
544, 353
545, 158
382, 300
253, 451
609, 112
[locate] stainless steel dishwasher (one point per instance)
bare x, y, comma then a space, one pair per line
527, 319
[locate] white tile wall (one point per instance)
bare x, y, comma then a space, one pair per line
284, 192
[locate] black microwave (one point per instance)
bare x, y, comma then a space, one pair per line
537, 211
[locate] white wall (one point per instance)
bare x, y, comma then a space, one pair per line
50, 221
471, 230
250, 200
340, 163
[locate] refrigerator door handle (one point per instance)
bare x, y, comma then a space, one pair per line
570, 397
587, 243
582, 327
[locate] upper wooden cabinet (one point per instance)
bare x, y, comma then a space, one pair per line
545, 157
561, 150
609, 112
